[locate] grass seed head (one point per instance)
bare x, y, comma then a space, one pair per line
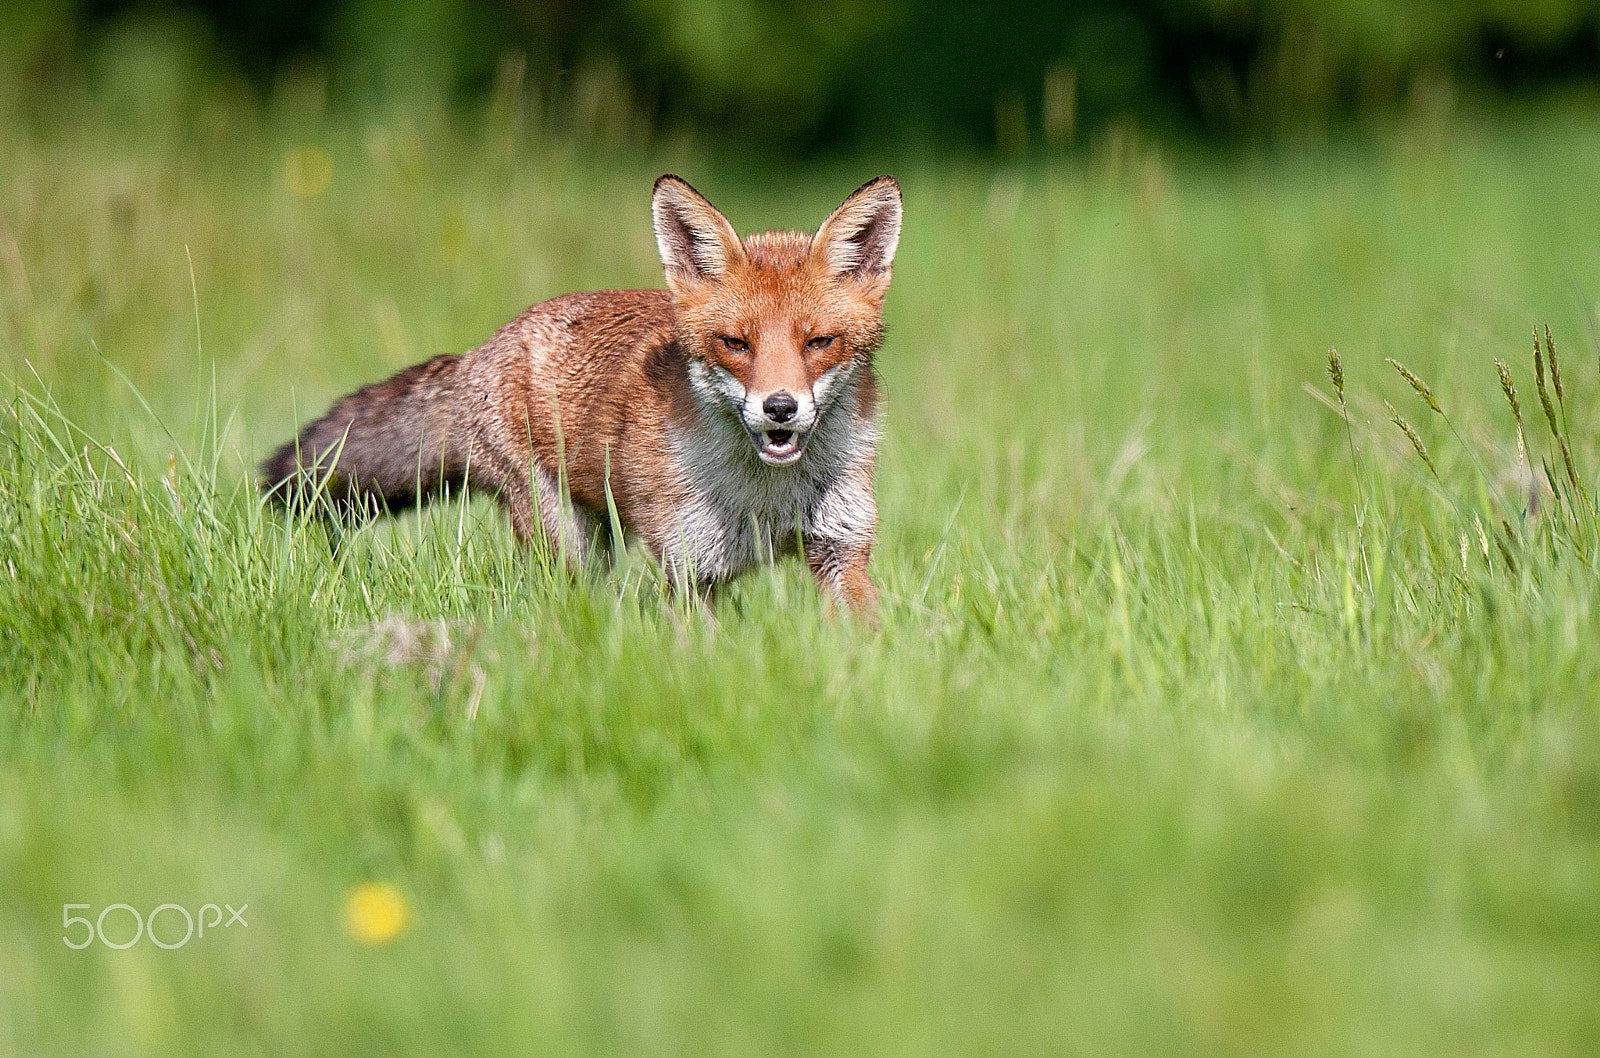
1550, 413
1538, 381
1555, 365
1336, 374
1417, 384
1509, 388
1416, 441
1538, 362
1505, 551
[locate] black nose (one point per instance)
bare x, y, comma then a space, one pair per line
781, 406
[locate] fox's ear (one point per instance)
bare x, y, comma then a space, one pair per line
859, 239
697, 242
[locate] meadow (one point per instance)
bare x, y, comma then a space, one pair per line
1202, 719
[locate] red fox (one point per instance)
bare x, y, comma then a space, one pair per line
731, 417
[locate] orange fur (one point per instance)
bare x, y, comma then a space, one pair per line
732, 412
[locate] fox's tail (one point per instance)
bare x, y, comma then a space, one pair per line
380, 449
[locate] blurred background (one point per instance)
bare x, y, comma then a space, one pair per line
786, 76
1151, 757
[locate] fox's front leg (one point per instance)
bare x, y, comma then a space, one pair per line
533, 500
839, 542
840, 568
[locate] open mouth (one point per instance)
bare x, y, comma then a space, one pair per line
778, 447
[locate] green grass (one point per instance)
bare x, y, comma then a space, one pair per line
1145, 758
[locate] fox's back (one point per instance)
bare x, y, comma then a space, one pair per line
577, 349
577, 377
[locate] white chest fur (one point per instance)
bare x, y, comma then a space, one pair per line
738, 511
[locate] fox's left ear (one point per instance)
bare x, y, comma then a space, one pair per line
858, 240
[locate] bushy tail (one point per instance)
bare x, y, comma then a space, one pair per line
380, 449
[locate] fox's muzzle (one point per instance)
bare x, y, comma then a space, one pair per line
779, 423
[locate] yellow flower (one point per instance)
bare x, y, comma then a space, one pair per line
308, 172
375, 913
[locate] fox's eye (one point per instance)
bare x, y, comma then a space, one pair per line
737, 345
821, 341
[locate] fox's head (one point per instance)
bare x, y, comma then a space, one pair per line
776, 325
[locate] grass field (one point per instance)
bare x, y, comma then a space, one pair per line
1188, 729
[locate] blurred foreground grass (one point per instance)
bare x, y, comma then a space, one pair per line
1147, 757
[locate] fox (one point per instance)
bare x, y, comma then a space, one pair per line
728, 420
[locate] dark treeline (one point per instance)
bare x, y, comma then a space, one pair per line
801, 73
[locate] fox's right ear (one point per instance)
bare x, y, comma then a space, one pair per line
697, 242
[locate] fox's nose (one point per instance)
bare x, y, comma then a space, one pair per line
781, 406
